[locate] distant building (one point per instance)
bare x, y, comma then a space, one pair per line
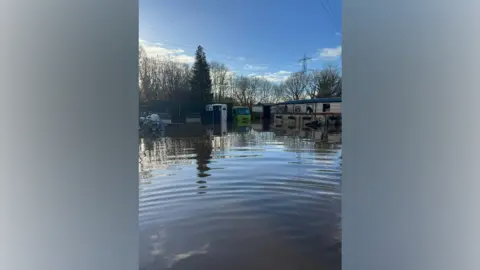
302, 113
309, 106
262, 111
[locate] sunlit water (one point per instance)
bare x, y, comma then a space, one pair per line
250, 199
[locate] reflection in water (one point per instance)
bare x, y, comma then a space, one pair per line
251, 199
203, 149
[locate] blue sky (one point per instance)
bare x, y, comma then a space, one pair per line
262, 37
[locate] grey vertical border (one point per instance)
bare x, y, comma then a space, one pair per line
69, 107
411, 177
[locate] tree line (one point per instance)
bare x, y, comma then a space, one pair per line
170, 80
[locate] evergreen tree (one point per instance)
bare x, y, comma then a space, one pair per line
201, 83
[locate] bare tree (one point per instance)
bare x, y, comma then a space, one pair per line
141, 55
265, 92
296, 85
166, 79
231, 88
269, 92
219, 74
162, 79
278, 94
326, 83
249, 91
255, 94
338, 88
172, 79
146, 76
242, 91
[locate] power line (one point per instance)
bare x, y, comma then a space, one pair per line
329, 13
304, 62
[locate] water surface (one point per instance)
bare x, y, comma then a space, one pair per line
254, 198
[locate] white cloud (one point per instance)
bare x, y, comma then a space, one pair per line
157, 50
276, 77
161, 51
241, 58
186, 59
252, 67
331, 53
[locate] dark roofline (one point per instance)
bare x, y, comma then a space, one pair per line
264, 104
314, 100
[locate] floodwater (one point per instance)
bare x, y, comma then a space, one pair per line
258, 197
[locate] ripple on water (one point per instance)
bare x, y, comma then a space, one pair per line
250, 200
